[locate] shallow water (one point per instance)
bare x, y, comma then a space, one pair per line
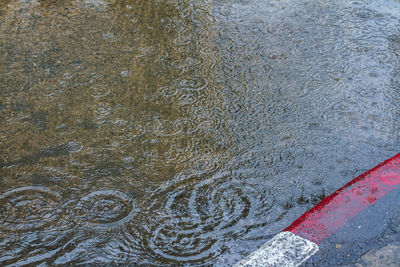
165, 132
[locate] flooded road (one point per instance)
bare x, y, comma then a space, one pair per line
184, 132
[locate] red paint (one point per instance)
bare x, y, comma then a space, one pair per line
332, 212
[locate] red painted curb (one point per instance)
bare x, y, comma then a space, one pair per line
298, 242
335, 210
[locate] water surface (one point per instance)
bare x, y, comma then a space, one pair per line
184, 132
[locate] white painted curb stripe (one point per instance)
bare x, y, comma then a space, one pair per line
284, 250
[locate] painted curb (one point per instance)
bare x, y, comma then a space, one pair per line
299, 241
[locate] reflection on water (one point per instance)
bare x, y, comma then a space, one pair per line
165, 132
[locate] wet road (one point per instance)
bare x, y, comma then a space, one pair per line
166, 132
369, 239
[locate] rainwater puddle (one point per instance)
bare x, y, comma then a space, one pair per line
184, 132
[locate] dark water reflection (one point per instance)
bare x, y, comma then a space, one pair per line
165, 132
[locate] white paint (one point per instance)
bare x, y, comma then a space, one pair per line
284, 250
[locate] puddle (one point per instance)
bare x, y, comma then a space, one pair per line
184, 132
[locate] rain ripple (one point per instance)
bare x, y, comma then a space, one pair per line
51, 229
99, 91
184, 241
104, 209
192, 84
203, 210
28, 209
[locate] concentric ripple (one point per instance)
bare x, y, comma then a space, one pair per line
192, 84
203, 210
29, 208
105, 208
98, 91
221, 204
74, 147
184, 241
